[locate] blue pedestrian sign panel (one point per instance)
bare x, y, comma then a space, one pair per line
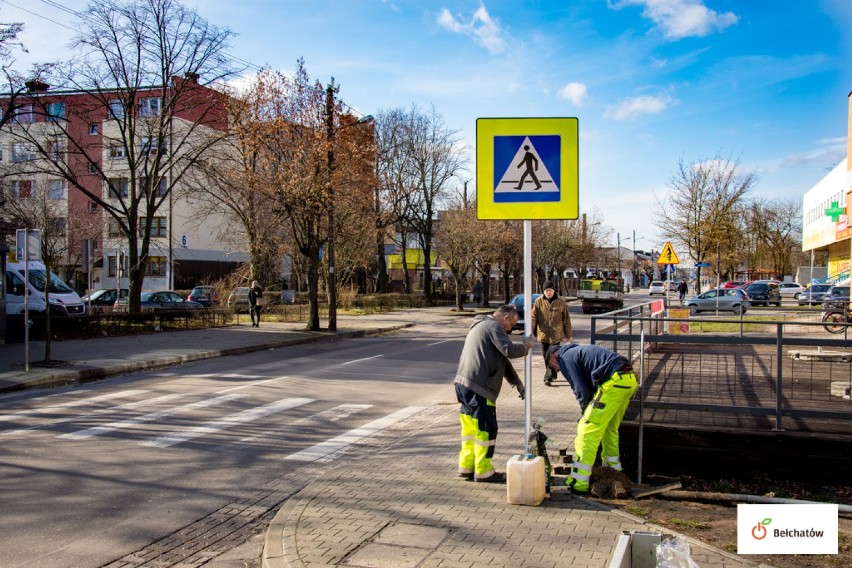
702, 265
527, 168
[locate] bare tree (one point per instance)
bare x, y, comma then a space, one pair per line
777, 226
458, 240
698, 210
140, 64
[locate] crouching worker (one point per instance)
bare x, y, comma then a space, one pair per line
479, 377
603, 382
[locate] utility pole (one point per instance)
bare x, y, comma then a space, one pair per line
332, 278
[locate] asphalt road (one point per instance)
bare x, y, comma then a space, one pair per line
91, 474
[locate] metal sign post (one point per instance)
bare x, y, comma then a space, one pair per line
527, 333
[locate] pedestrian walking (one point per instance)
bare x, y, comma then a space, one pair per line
603, 382
551, 322
482, 366
681, 290
256, 302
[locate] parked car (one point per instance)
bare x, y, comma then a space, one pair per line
734, 284
207, 296
837, 297
723, 299
657, 287
160, 300
518, 300
791, 289
673, 284
813, 294
763, 293
103, 300
238, 300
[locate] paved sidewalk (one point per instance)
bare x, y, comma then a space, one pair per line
401, 504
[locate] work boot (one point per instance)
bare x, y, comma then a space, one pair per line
496, 477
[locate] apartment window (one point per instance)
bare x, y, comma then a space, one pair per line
54, 149
119, 187
57, 225
115, 229
149, 107
116, 151
23, 188
156, 266
56, 189
113, 264
55, 111
25, 114
23, 152
159, 226
147, 143
93, 207
93, 129
116, 109
162, 186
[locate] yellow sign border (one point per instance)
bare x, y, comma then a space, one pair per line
568, 206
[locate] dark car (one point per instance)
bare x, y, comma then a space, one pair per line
160, 300
238, 300
837, 297
722, 299
763, 293
518, 301
207, 296
103, 300
812, 296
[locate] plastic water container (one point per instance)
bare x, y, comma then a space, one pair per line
525, 480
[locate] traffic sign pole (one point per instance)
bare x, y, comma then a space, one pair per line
527, 333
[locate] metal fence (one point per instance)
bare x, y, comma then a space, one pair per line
786, 373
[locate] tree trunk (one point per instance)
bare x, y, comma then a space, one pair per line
313, 293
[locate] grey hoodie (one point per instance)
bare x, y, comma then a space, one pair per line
483, 363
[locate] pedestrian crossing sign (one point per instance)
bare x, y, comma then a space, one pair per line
668, 255
527, 168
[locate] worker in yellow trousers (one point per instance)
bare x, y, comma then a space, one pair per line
603, 382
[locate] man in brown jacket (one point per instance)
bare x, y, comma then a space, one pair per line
551, 322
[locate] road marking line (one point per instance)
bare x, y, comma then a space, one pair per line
440, 342
100, 430
221, 424
332, 415
73, 403
335, 444
253, 384
359, 360
110, 410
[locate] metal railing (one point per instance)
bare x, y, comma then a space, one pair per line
757, 374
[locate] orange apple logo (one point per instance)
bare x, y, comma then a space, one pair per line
759, 531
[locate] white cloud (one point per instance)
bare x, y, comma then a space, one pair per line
481, 27
638, 106
574, 92
679, 19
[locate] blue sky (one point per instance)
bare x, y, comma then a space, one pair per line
652, 82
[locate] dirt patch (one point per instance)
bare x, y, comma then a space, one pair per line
716, 522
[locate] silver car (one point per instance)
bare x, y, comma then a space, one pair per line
733, 300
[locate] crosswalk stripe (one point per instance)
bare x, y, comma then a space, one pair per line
110, 410
331, 415
71, 404
100, 430
216, 425
337, 443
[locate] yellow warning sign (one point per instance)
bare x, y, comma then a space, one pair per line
668, 255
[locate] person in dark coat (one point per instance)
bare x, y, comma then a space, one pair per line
255, 296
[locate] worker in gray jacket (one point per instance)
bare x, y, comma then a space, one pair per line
482, 366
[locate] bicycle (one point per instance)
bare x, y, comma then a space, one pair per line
836, 320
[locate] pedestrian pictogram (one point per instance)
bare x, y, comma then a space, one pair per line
668, 255
522, 168
527, 168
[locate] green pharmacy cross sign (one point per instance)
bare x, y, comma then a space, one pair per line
835, 212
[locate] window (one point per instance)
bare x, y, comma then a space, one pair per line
54, 149
156, 266
56, 189
57, 225
116, 109
25, 114
146, 144
23, 152
162, 186
93, 207
23, 188
116, 151
119, 187
93, 129
113, 263
115, 229
159, 227
55, 111
149, 107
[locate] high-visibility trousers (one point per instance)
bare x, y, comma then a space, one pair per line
478, 417
599, 426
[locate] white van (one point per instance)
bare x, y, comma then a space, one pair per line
63, 300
